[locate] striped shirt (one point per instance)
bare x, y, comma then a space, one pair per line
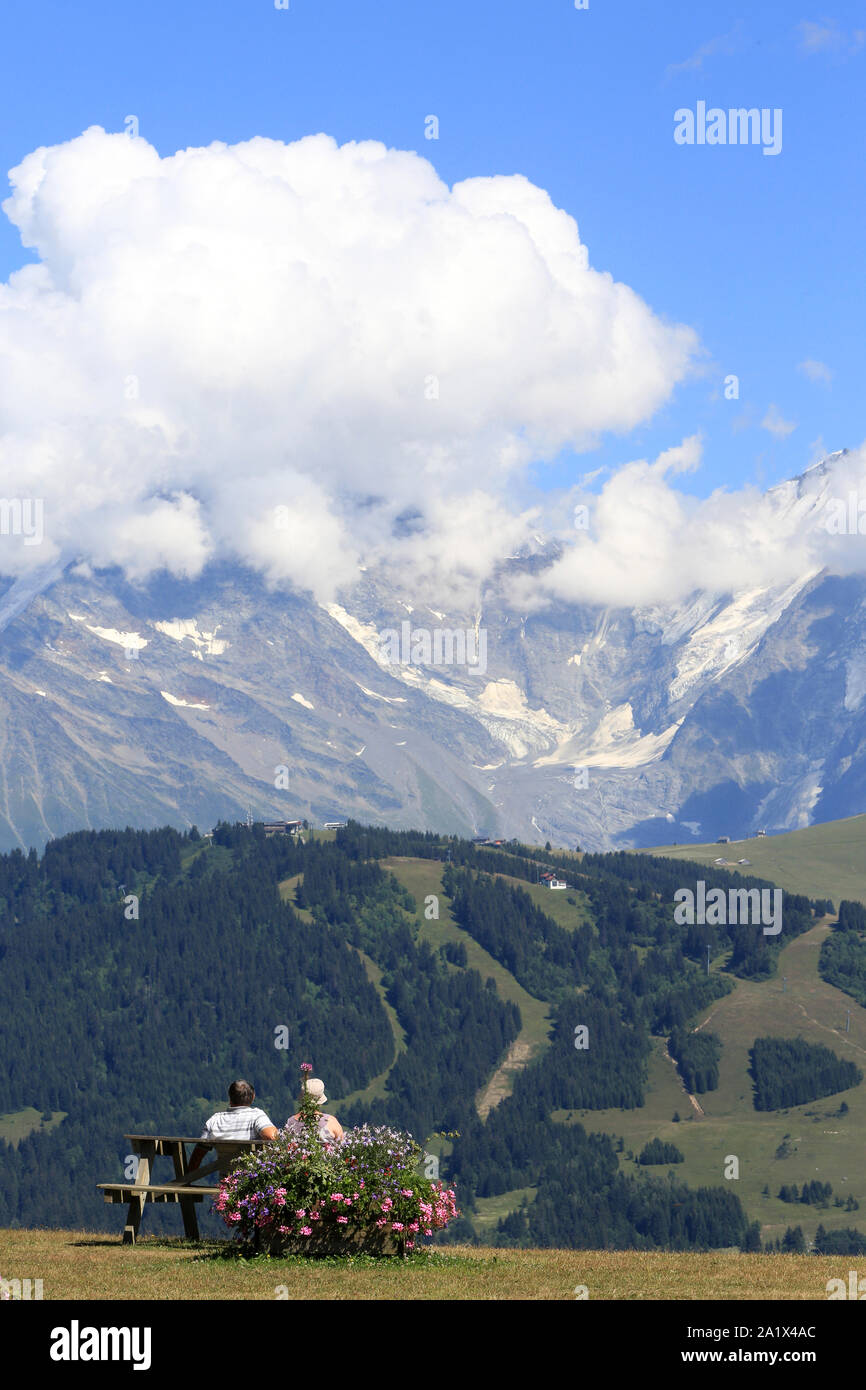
238, 1122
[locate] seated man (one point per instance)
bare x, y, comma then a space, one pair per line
240, 1121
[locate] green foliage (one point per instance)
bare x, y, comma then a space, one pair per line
541, 956
655, 993
697, 1057
752, 1243
852, 917
816, 1193
127, 1022
842, 961
457, 1028
655, 880
625, 1213
655, 1151
793, 1241
821, 907
791, 1071
455, 953
848, 1241
139, 1025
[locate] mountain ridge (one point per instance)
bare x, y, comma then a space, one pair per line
190, 700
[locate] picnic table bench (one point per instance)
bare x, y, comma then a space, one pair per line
186, 1188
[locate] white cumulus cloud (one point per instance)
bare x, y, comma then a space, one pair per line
642, 540
275, 351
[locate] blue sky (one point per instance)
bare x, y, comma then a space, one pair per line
762, 255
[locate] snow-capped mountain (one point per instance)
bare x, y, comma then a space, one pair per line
188, 701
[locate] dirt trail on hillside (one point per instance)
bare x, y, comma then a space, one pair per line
837, 1032
680, 1079
497, 1087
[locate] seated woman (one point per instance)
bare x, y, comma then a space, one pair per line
329, 1126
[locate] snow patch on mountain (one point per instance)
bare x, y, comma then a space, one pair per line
673, 624
505, 699
855, 681
204, 643
730, 635
446, 694
389, 699
503, 710
613, 743
187, 704
131, 641
366, 634
301, 701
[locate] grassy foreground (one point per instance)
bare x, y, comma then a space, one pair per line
84, 1265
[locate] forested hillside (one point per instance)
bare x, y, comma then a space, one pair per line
843, 955
790, 1071
140, 972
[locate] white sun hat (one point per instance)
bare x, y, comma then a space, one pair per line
316, 1088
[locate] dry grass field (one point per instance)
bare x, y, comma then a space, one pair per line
82, 1265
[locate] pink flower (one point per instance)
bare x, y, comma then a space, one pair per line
381, 1221
342, 1220
396, 1225
405, 1192
306, 1230
306, 1066
302, 1212
336, 1196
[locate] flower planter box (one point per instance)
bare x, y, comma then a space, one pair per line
306, 1194
331, 1242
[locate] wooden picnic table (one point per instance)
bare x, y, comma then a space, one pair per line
187, 1189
